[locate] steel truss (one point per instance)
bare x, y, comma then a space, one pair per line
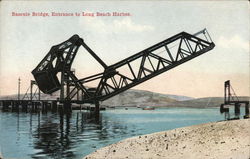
120, 76
30, 95
230, 98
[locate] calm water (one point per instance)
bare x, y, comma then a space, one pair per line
37, 135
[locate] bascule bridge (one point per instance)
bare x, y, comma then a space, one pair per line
54, 72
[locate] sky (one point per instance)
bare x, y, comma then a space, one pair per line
25, 40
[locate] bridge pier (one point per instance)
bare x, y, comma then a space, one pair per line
246, 111
237, 109
32, 106
54, 106
60, 108
40, 103
67, 107
5, 105
44, 107
15, 106
224, 110
36, 106
97, 109
24, 105
49, 106
12, 105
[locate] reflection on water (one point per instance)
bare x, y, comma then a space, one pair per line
53, 138
58, 135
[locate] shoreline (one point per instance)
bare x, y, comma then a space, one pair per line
135, 107
224, 140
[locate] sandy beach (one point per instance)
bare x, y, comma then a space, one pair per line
219, 140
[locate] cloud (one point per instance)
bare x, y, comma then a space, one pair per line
125, 25
234, 42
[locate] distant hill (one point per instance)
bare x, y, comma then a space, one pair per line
141, 98
128, 98
204, 102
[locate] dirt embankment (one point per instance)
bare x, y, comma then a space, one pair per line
219, 140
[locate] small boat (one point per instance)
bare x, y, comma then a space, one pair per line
148, 108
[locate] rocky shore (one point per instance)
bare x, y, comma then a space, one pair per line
219, 140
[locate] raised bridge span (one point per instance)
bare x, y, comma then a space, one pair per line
54, 72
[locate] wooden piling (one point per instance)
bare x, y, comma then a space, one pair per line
24, 105
246, 111
67, 107
6, 105
32, 106
237, 109
97, 109
54, 106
